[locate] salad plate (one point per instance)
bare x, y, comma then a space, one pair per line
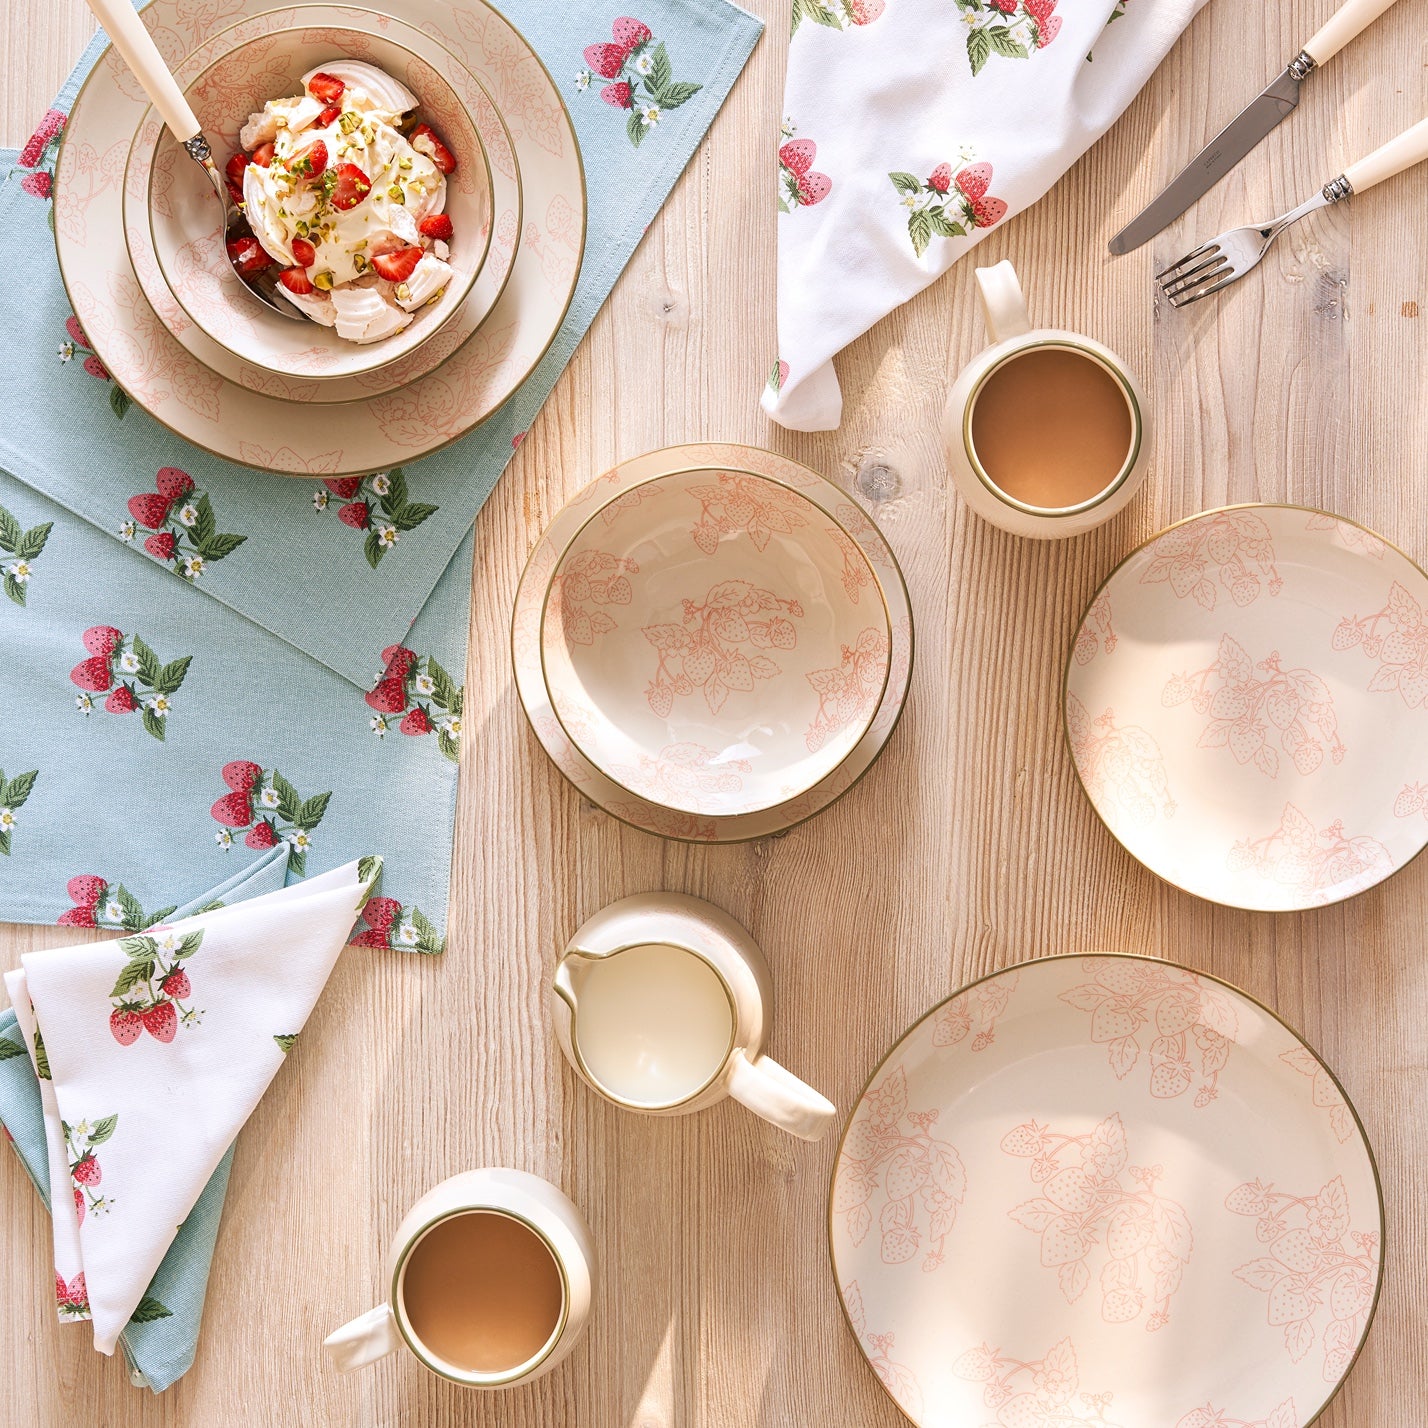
1106, 1189
1246, 703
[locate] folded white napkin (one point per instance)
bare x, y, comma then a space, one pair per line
911, 128
152, 1052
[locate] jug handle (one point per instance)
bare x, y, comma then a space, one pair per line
1003, 306
779, 1096
364, 1340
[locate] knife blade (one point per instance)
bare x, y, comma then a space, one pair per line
1269, 108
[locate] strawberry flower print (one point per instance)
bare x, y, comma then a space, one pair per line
1312, 862
1036, 1393
85, 1172
386, 923
1083, 1204
586, 585
836, 14
270, 808
684, 772
851, 691
13, 793
1191, 1024
974, 1013
131, 674
892, 1163
100, 903
1121, 765
779, 375
153, 985
74, 344
37, 155
1412, 798
947, 205
800, 185
1013, 29
1318, 1272
185, 530
641, 78
739, 504
898, 1379
376, 504
1097, 631
1230, 551
1396, 639
1209, 1416
427, 699
1324, 1090
24, 548
72, 1299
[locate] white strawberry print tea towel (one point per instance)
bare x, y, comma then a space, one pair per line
911, 128
157, 1047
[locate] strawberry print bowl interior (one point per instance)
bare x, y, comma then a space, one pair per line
1106, 1190
377, 266
1247, 706
714, 642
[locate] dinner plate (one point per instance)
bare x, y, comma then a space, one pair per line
1109, 1190
246, 423
148, 219
1247, 706
626, 486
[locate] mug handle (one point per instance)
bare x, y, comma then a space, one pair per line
364, 1340
779, 1096
1003, 306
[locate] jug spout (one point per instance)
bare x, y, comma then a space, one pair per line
367, 1338
570, 975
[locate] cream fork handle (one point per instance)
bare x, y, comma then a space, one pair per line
141, 54
1349, 20
1409, 148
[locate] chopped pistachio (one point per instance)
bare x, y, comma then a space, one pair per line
401, 292
322, 280
348, 121
404, 163
396, 195
436, 296
359, 262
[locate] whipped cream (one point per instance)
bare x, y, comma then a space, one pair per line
330, 199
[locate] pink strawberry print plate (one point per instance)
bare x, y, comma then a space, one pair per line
1247, 706
1109, 1190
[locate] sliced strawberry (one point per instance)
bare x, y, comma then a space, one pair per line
425, 140
396, 267
351, 188
235, 166
316, 160
326, 87
296, 280
248, 256
263, 155
304, 254
235, 192
330, 115
436, 225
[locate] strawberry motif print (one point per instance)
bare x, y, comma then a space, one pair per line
1187, 1023
947, 205
131, 677
1412, 799
76, 344
894, 1171
778, 376
1034, 1393
38, 156
1325, 1090
1352, 537
1013, 29
272, 811
850, 692
686, 772
584, 589
1092, 1203
1097, 632
1122, 767
72, 1299
1283, 1416
737, 504
1229, 552
19, 549
1395, 638
86, 1175
837, 14
152, 992
185, 534
13, 794
386, 923
897, 1378
1319, 1274
639, 77
1249, 703
974, 1013
416, 694
1312, 863
101, 903
378, 505
800, 185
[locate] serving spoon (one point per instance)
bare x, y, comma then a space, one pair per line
136, 46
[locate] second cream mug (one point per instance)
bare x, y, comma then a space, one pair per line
662, 1004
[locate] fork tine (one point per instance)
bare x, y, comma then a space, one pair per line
1205, 292
1207, 272
1203, 251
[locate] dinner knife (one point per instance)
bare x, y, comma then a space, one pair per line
1242, 133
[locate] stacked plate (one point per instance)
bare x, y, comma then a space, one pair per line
140, 242
712, 642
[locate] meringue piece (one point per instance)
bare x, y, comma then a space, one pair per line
441, 248
261, 128
403, 226
427, 279
318, 306
262, 209
297, 113
368, 88
364, 315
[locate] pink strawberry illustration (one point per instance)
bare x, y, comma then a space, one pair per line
122, 701
242, 775
1006, 7
163, 545
620, 95
160, 1021
381, 912
866, 11
76, 332
813, 188
987, 211
1169, 1079
416, 722
356, 514
782, 372
150, 509
35, 145
973, 180
1048, 31
343, 487
390, 696
940, 178
38, 185
96, 368
176, 984
262, 836
92, 674
86, 1169
76, 917
79, 1205
173, 483
61, 1288
102, 640
85, 889
797, 156
606, 60
126, 1024
398, 659
233, 810
370, 938
630, 34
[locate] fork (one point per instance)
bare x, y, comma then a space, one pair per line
1224, 260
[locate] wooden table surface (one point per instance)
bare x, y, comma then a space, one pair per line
969, 847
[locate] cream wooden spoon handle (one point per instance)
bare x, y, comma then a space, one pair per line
134, 43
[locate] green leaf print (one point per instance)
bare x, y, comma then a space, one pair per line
119, 399
10, 1049
42, 1062
1005, 43
17, 790
369, 869
149, 1309
102, 1130
286, 1041
133, 974
636, 128
979, 49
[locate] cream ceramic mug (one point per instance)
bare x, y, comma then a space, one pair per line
1013, 337
662, 1004
489, 1282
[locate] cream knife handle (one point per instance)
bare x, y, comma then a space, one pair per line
1349, 20
1409, 148
141, 54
